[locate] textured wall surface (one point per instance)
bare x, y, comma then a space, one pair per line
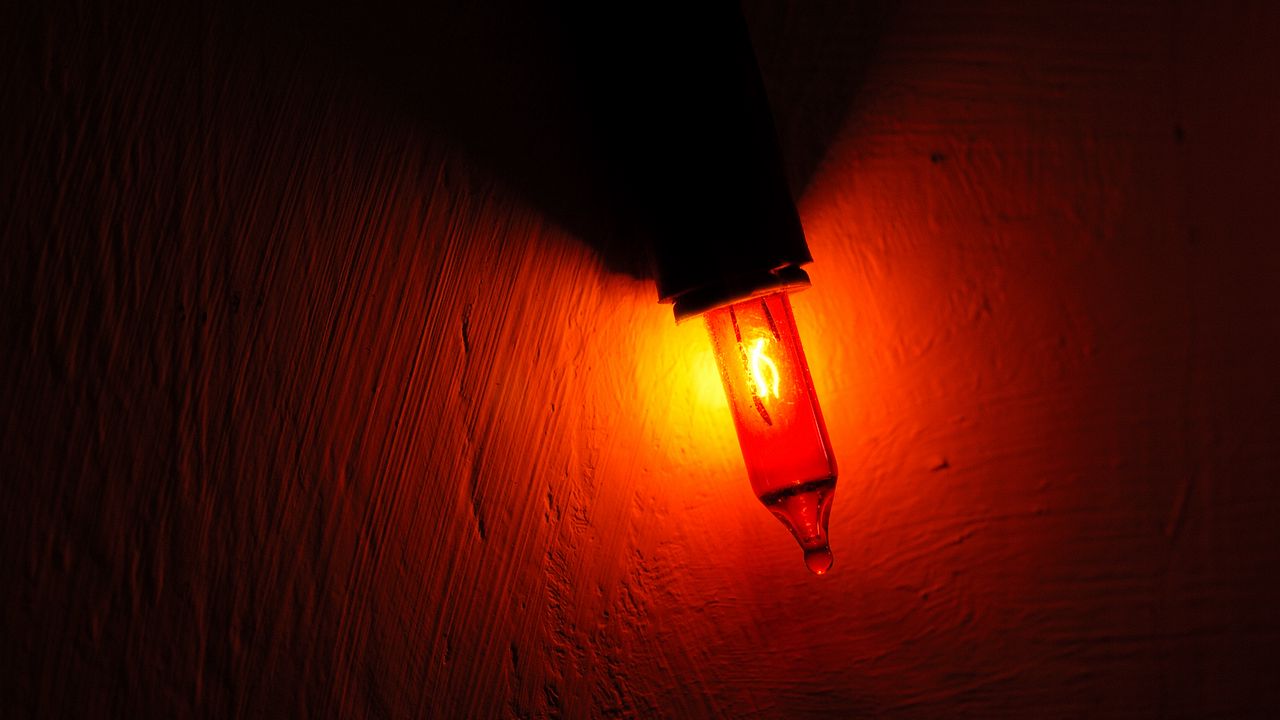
318, 401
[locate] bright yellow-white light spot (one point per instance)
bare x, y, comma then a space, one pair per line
764, 373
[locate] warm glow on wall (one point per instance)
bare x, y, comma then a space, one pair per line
775, 410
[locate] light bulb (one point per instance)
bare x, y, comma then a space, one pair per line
775, 410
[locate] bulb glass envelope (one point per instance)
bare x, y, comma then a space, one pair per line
780, 428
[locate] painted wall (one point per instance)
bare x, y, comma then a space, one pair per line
324, 392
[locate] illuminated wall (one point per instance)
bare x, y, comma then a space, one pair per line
323, 397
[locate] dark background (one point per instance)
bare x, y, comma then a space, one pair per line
333, 384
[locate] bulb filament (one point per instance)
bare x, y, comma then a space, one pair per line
763, 371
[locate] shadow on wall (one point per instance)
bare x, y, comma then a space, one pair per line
531, 91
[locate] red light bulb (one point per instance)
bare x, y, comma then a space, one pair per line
775, 410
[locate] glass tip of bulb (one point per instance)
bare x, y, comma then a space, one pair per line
805, 509
818, 561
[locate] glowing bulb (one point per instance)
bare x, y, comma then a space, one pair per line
780, 428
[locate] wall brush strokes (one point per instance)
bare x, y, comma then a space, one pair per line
326, 392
